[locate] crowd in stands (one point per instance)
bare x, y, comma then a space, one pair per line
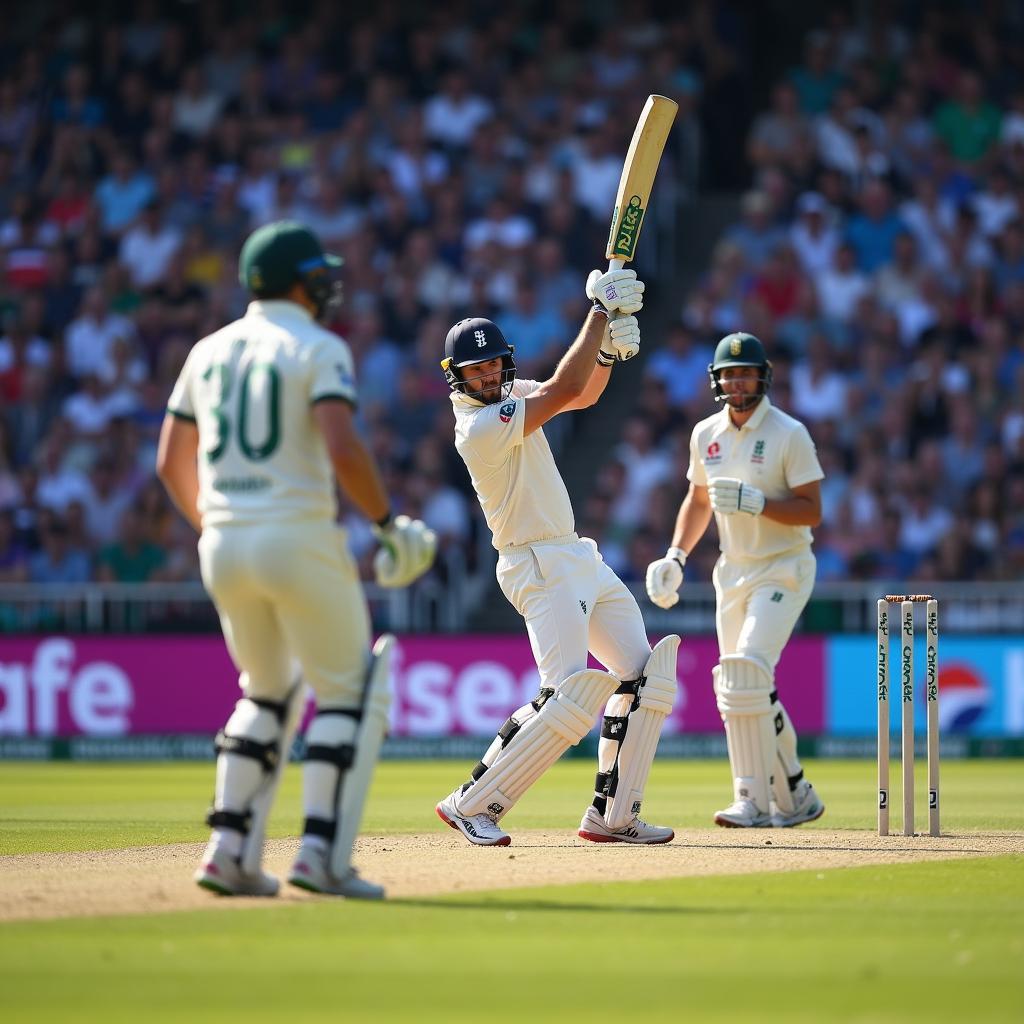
461, 160
464, 162
879, 255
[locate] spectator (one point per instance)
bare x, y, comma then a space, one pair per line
131, 558
57, 561
147, 248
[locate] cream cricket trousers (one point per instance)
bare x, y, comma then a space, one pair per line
284, 591
573, 603
758, 603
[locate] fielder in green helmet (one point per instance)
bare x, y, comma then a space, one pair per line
740, 350
284, 260
755, 469
260, 428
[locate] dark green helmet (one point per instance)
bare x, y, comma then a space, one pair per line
740, 349
279, 254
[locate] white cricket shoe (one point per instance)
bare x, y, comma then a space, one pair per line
480, 829
310, 872
594, 828
807, 807
743, 814
221, 873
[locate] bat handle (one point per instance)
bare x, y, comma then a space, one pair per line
615, 265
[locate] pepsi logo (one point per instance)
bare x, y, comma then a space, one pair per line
963, 697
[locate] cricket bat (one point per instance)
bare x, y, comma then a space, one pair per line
638, 172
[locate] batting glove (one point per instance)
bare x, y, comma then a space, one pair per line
616, 290
729, 496
407, 548
665, 577
621, 341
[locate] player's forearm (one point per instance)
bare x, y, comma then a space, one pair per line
599, 377
691, 522
794, 511
177, 450
576, 367
360, 479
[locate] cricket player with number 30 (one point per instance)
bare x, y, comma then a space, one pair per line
259, 426
571, 600
756, 469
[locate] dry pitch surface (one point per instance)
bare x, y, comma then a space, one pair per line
158, 878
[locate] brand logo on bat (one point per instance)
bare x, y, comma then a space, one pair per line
625, 234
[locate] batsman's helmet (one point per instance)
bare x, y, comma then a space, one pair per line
474, 341
279, 254
740, 349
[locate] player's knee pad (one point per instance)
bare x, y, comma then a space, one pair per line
743, 687
562, 721
633, 740
252, 750
342, 748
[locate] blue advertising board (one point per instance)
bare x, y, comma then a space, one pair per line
981, 686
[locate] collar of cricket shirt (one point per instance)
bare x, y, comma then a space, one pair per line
274, 309
753, 423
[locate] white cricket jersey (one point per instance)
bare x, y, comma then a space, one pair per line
250, 388
521, 492
772, 451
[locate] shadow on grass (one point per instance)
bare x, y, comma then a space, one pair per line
454, 903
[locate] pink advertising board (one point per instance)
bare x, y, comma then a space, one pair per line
443, 685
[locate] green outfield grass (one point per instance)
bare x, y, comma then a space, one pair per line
941, 941
103, 806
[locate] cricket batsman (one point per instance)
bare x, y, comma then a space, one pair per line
756, 469
570, 599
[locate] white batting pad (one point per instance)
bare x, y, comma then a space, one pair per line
743, 686
562, 722
787, 763
263, 801
355, 783
643, 730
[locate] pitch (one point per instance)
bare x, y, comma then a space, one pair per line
829, 922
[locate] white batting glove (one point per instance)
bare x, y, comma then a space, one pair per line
621, 341
729, 496
665, 577
616, 290
407, 548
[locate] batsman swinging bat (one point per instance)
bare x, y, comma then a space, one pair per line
638, 172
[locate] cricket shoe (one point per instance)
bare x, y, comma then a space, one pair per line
743, 814
480, 829
221, 873
594, 828
310, 872
807, 807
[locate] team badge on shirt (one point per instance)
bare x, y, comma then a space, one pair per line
507, 411
758, 455
714, 452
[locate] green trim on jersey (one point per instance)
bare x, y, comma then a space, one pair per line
179, 415
335, 398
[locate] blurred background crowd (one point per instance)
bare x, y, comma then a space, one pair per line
460, 161
879, 254
464, 162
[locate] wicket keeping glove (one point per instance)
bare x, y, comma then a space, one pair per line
729, 495
621, 341
616, 290
407, 548
665, 577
